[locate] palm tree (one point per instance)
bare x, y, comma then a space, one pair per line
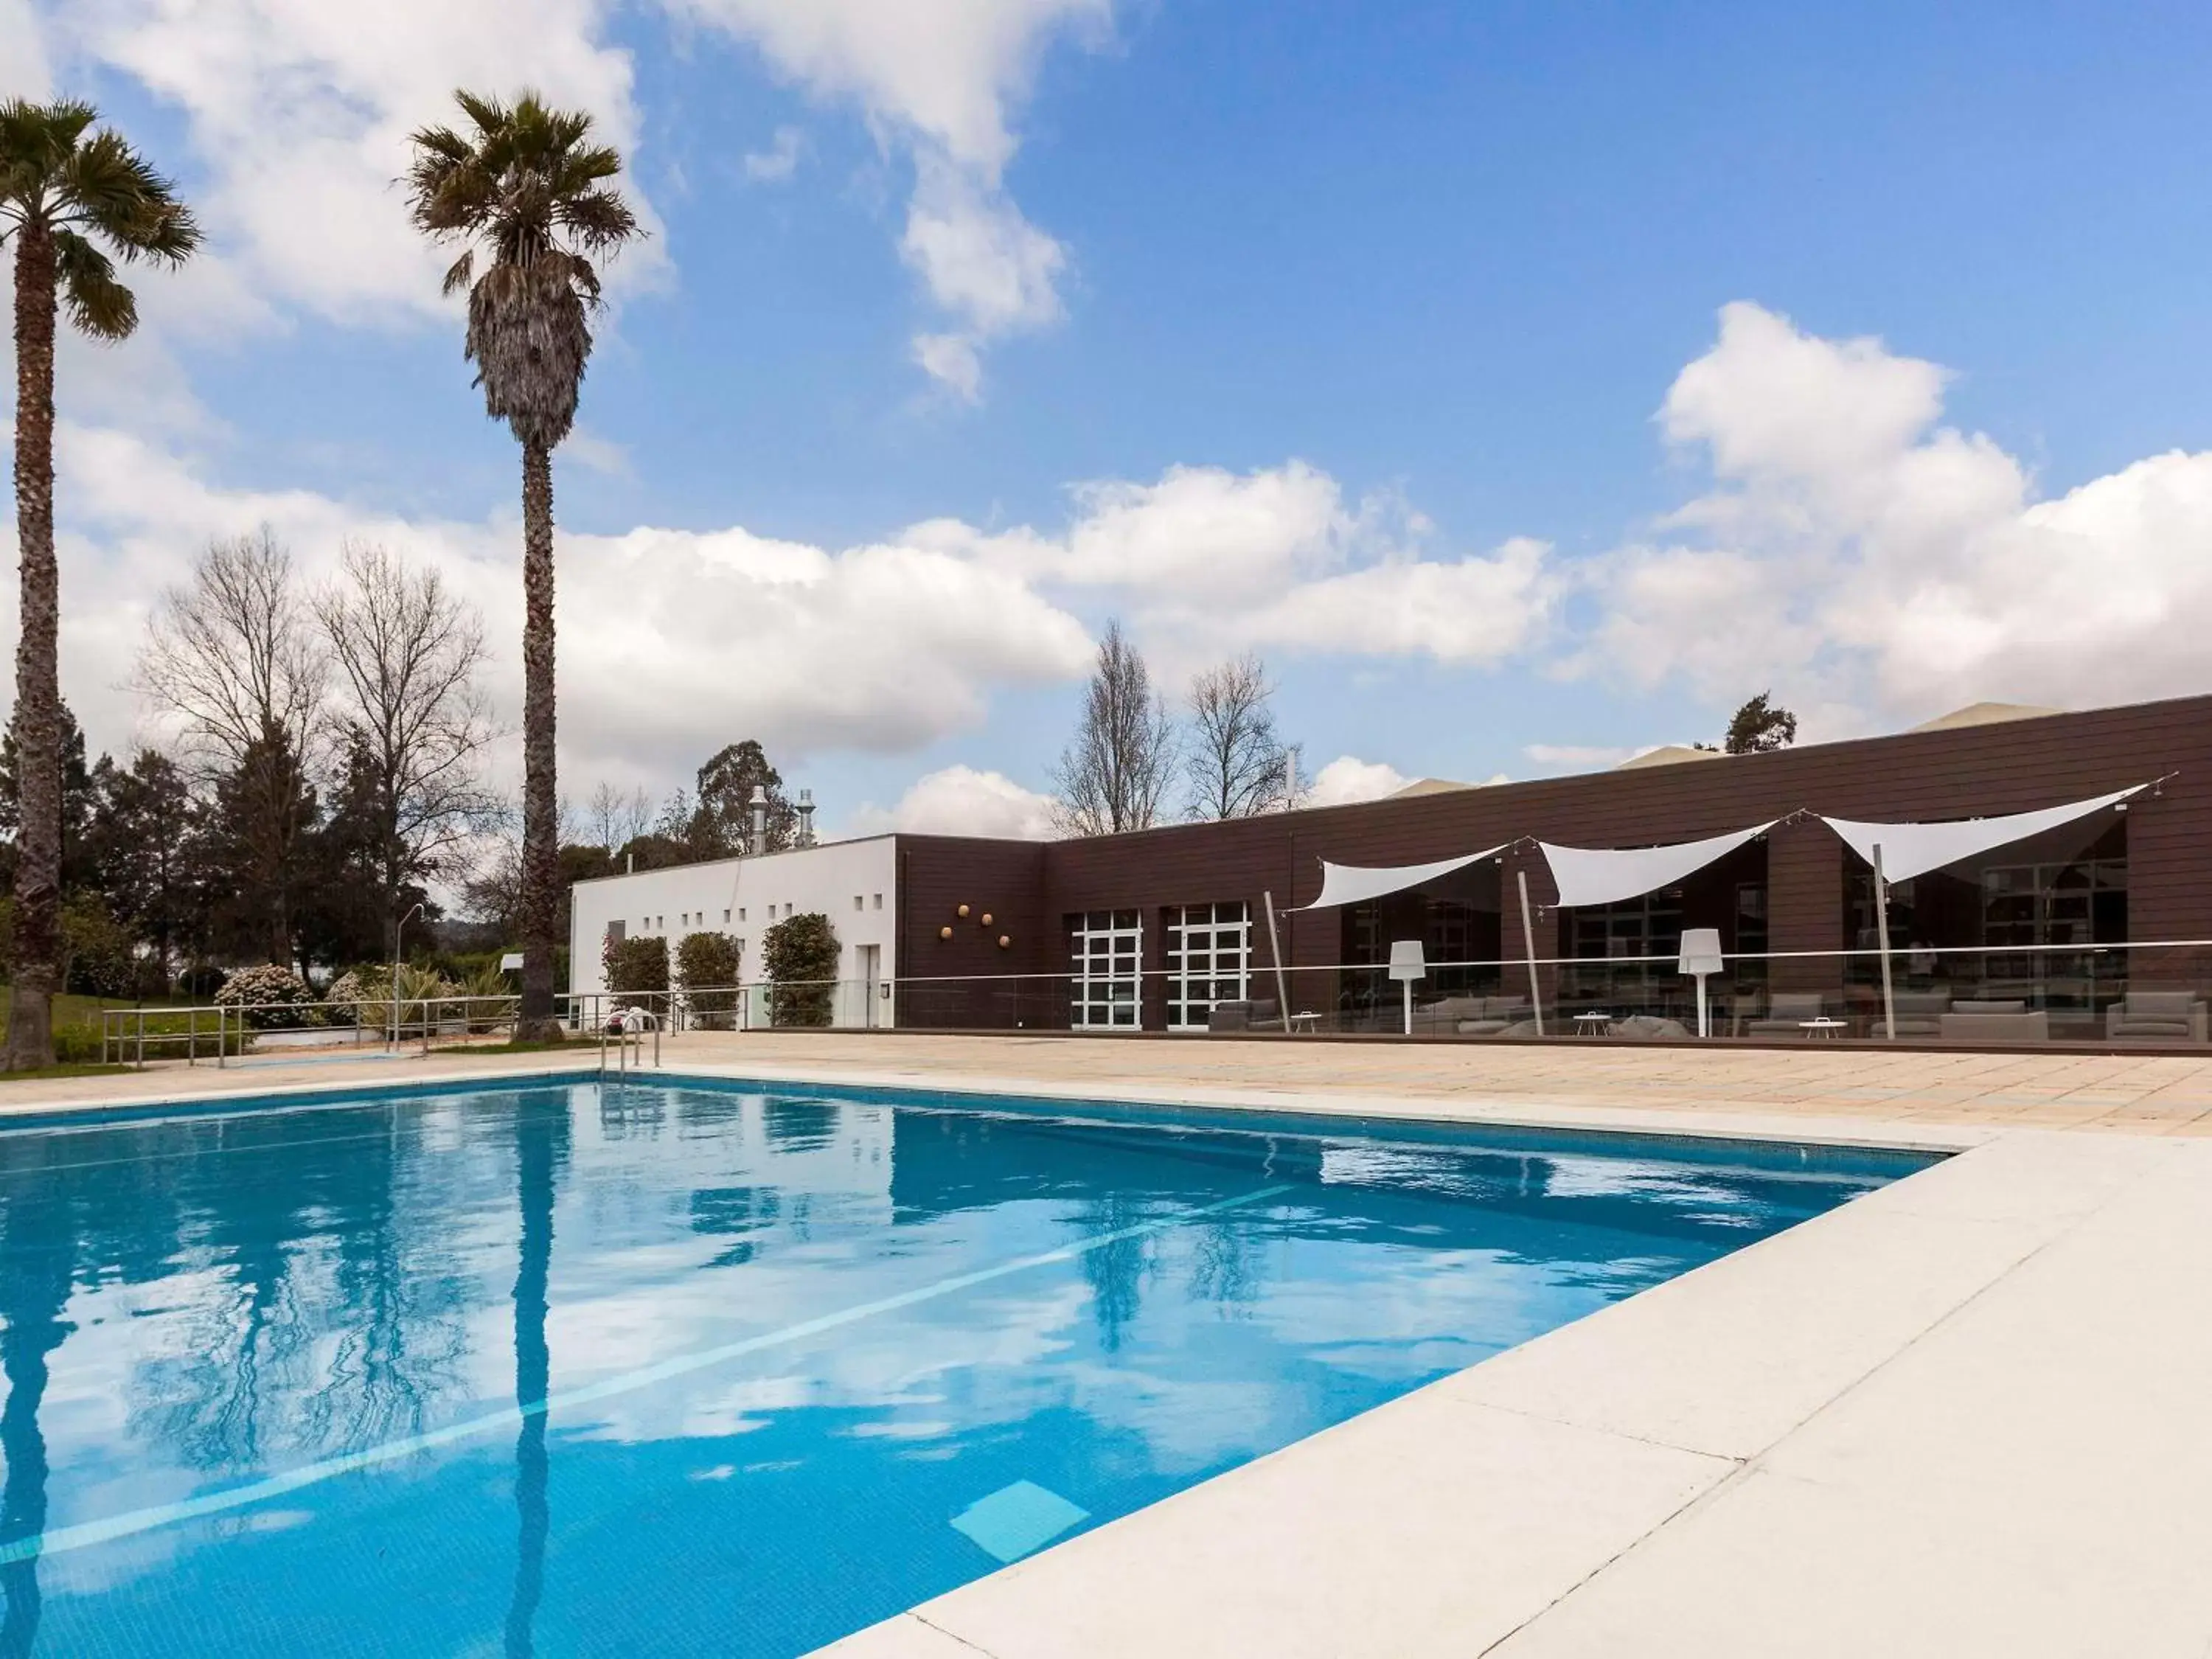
526, 192
64, 190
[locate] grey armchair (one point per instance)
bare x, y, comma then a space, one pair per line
2156, 1017
1995, 1022
1919, 1013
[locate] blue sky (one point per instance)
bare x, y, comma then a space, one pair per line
1280, 327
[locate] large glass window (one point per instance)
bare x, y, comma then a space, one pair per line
1609, 936
1209, 960
1106, 955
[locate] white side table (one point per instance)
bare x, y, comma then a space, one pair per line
1593, 1024
1822, 1027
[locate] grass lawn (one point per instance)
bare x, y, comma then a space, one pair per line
87, 1069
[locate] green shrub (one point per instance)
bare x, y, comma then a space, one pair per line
275, 997
360, 996
801, 956
78, 1044
637, 970
704, 960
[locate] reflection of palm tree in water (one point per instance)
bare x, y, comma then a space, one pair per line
37, 1260
1115, 1271
540, 1134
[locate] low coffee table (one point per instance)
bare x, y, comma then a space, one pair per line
1822, 1027
1593, 1024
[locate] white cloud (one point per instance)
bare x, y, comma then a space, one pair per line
24, 72
960, 800
940, 79
298, 115
1579, 753
1348, 779
1205, 562
953, 359
670, 642
1869, 563
775, 165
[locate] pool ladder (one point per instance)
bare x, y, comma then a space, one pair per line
627, 1030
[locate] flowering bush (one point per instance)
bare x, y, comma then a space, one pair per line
272, 996
360, 996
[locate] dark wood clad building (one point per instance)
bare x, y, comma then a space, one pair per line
1149, 930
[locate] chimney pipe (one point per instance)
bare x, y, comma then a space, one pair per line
760, 819
806, 818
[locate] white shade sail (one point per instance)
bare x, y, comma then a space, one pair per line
1353, 884
1913, 850
1589, 875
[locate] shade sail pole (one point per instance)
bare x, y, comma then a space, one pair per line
1275, 946
1882, 936
1528, 940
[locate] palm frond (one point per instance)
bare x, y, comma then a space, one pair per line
601, 221
458, 274
98, 305
107, 186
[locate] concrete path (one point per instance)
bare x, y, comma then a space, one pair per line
2150, 1093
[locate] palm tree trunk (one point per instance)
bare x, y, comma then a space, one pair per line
38, 676
540, 810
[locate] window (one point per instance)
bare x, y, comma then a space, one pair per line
878, 904
741, 914
1209, 960
856, 902
726, 918
1106, 950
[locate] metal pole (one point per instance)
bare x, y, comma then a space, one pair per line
1881, 929
1528, 942
1275, 946
222, 1048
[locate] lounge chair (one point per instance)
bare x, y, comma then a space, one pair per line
1993, 1022
1259, 1014
2156, 1017
1919, 1013
1495, 1016
1786, 1014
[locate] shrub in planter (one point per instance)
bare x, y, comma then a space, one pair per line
707, 966
272, 997
801, 954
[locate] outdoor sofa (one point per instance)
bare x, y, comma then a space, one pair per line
1919, 1014
2156, 1017
1261, 1014
1786, 1014
1993, 1022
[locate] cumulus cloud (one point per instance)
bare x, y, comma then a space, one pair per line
297, 117
960, 800
940, 80
671, 640
1348, 779
1866, 560
1205, 562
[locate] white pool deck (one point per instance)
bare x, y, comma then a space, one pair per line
1968, 1414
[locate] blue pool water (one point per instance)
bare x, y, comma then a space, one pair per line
698, 1368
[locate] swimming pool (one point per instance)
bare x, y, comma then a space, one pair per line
701, 1367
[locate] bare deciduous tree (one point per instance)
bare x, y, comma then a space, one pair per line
1237, 766
1115, 773
233, 655
614, 819
414, 719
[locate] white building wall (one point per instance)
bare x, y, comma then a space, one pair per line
853, 883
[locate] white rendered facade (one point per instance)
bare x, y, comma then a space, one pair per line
853, 883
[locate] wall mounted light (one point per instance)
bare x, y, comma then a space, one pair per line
986, 918
1005, 939
944, 933
962, 912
